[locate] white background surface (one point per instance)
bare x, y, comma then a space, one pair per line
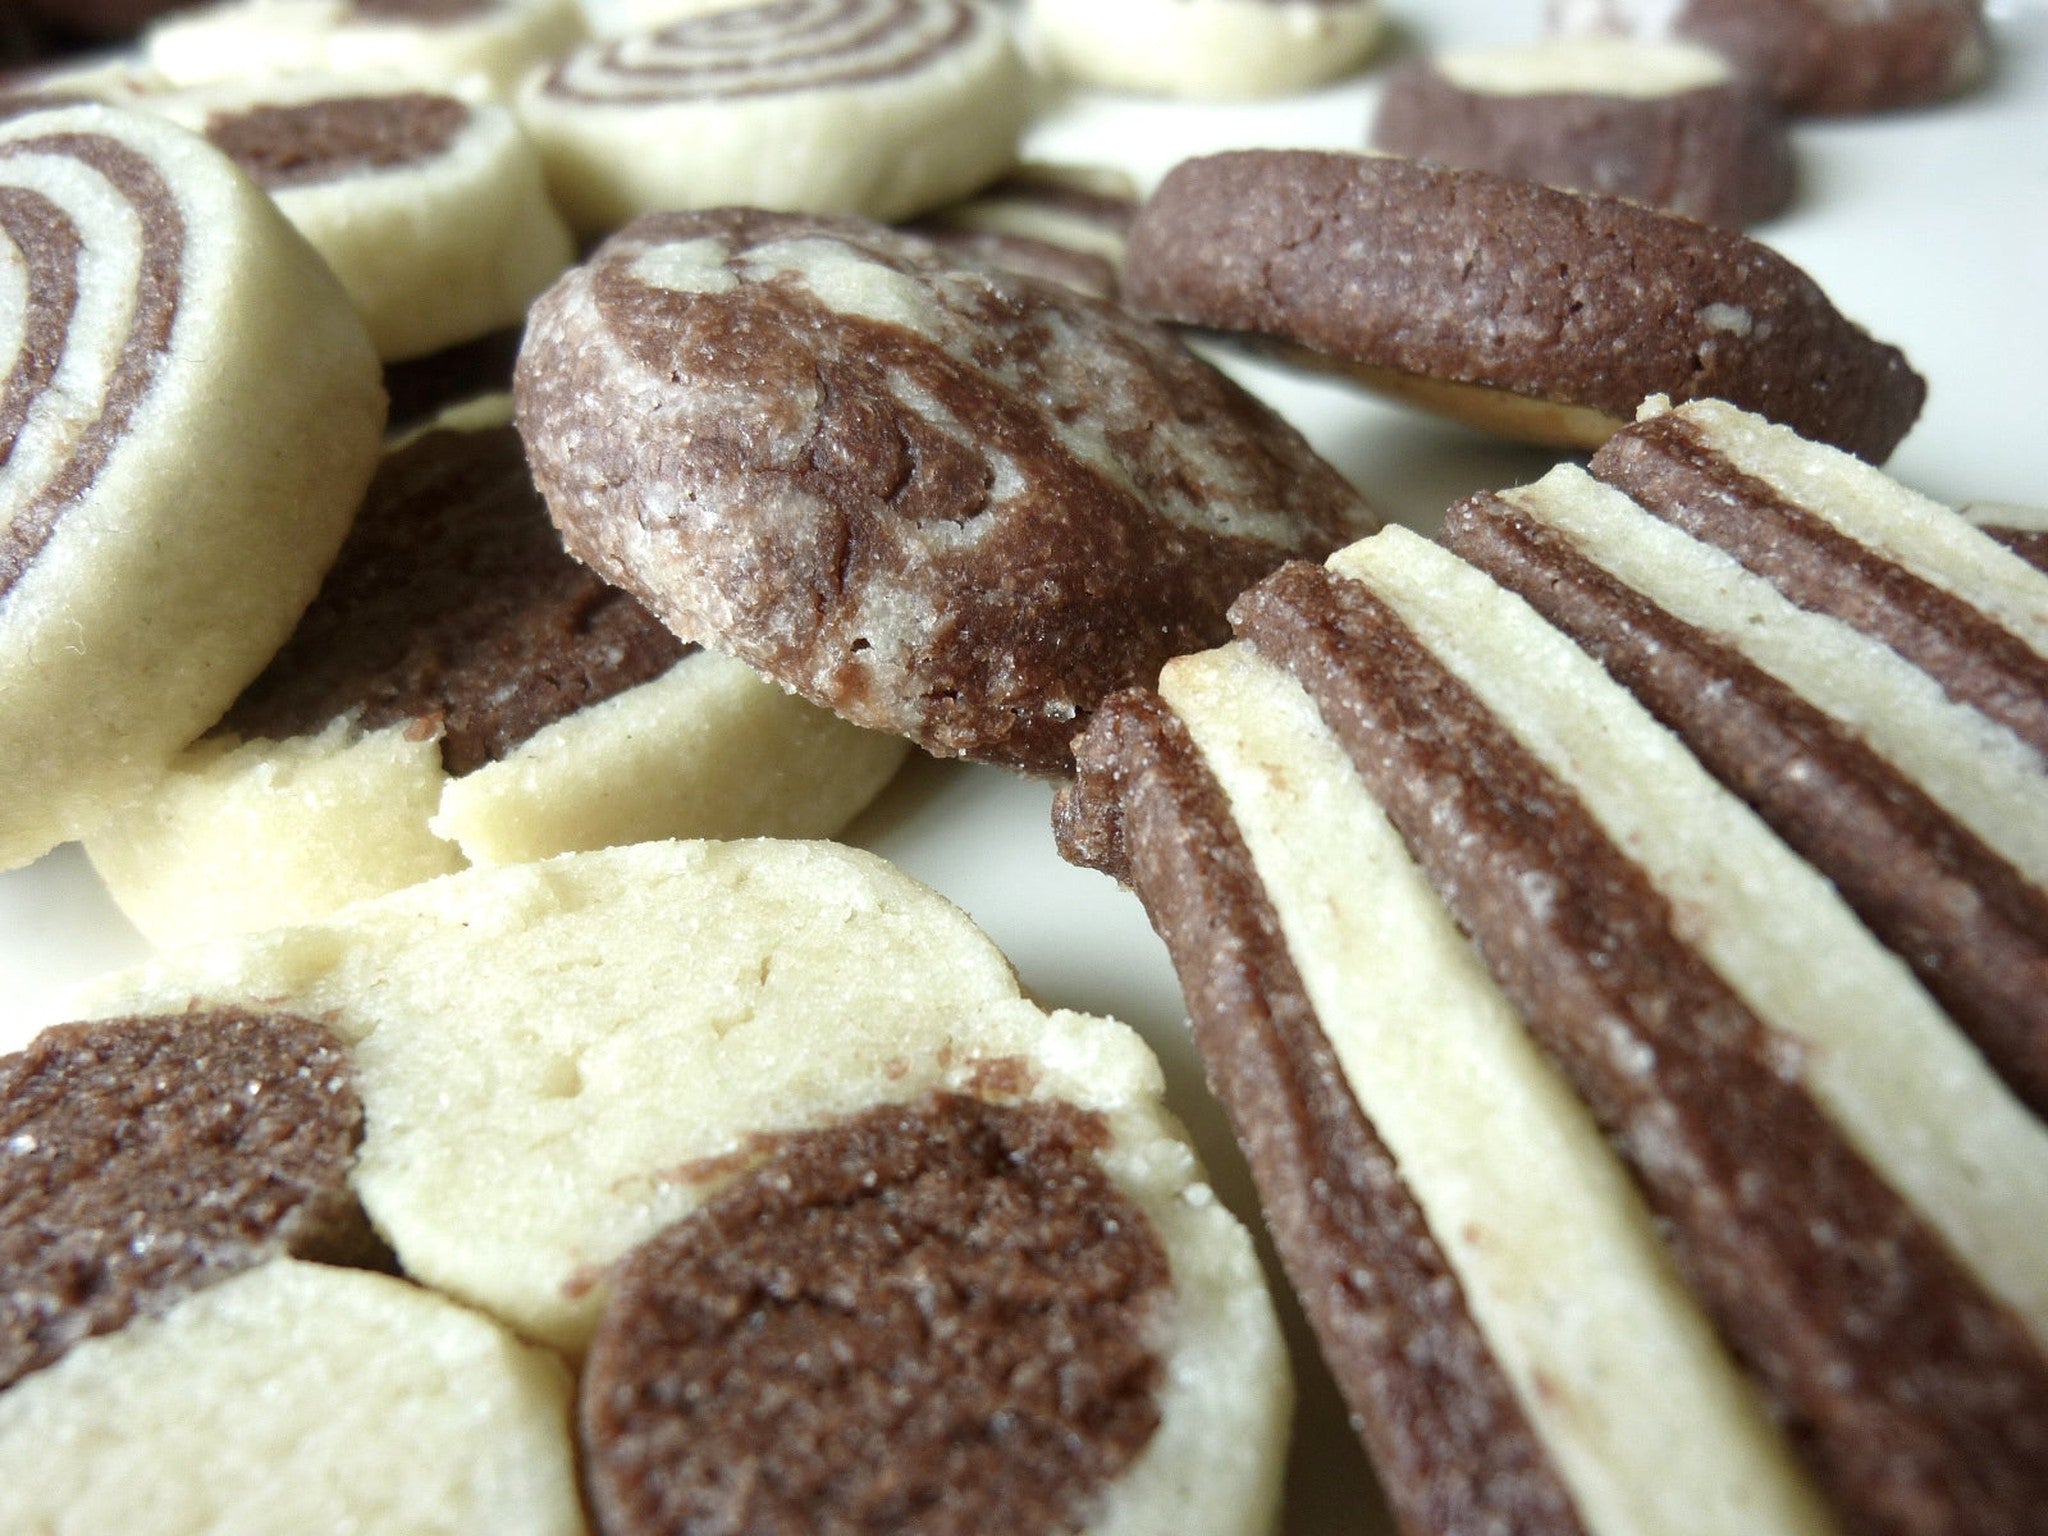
1929, 227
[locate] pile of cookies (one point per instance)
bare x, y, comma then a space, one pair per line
484, 490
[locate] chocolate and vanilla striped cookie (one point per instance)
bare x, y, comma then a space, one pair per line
847, 1234
1218, 49
1065, 223
461, 691
190, 413
1631, 1184
472, 47
878, 107
1544, 315
2021, 529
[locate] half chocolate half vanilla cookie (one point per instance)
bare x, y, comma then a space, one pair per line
1631, 1181
941, 499
840, 1232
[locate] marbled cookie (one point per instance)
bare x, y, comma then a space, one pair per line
878, 107
1066, 223
472, 47
192, 411
1631, 1184
1819, 56
1206, 48
462, 691
850, 1231
1672, 125
941, 500
1544, 315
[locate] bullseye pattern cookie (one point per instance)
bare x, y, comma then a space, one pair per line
1544, 315
462, 691
191, 415
472, 47
1206, 48
1066, 223
940, 500
1672, 125
878, 107
842, 1225
1818, 56
1518, 1013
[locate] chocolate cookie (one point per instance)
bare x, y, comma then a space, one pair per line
1064, 223
879, 107
945, 502
1668, 124
1817, 56
1518, 1015
191, 416
461, 690
99, 21
1545, 315
1219, 49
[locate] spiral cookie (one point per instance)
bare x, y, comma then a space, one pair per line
1685, 1207
1544, 315
843, 1224
1206, 48
189, 415
2023, 530
1672, 125
471, 47
940, 500
461, 690
1063, 223
879, 107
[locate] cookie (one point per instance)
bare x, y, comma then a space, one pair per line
462, 691
1668, 124
877, 107
1543, 315
471, 47
295, 1398
1517, 1012
194, 413
99, 21
942, 501
422, 388
618, 1100
2023, 530
1063, 223
1216, 49
1816, 56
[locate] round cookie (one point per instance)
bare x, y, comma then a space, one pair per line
1064, 223
878, 107
1816, 56
1543, 315
193, 412
290, 1399
560, 1063
461, 690
1206, 48
1668, 124
940, 500
472, 47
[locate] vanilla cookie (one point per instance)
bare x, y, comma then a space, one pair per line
1544, 315
462, 691
472, 47
1066, 223
193, 413
1206, 48
943, 501
1630, 1182
289, 1399
613, 1097
1672, 125
878, 107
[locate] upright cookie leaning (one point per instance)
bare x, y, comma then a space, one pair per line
941, 500
191, 414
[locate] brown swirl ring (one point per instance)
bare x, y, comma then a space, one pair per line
52, 246
768, 48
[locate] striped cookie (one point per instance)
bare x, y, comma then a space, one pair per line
878, 107
191, 413
1215, 49
2023, 530
1065, 223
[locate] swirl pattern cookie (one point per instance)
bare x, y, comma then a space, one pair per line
1064, 223
940, 500
190, 413
878, 107
2023, 530
462, 691
1543, 315
1218, 49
